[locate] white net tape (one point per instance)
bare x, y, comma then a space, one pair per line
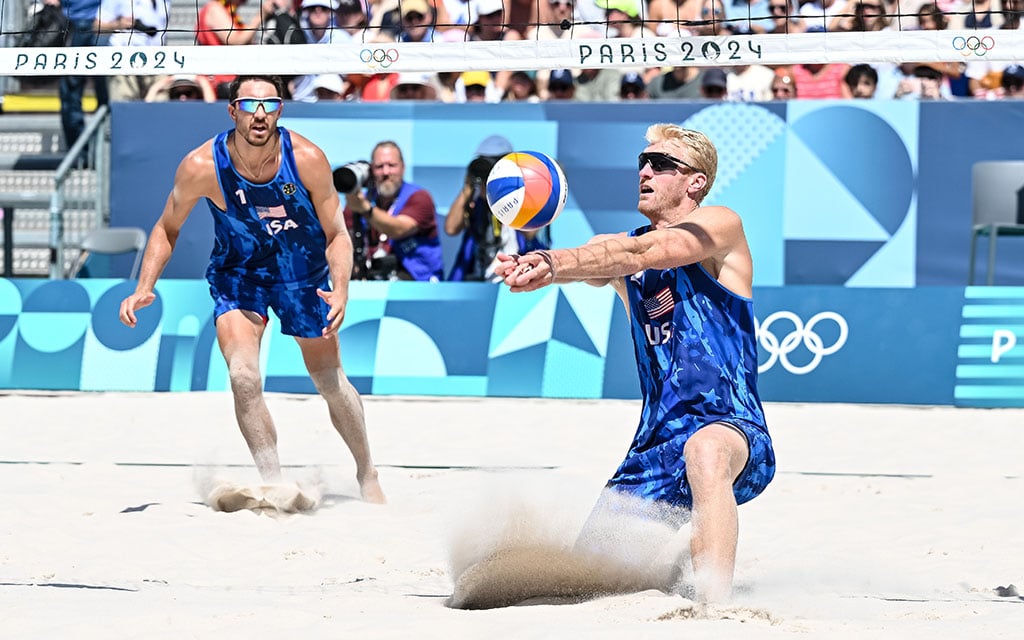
766, 49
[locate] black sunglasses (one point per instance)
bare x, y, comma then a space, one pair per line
662, 162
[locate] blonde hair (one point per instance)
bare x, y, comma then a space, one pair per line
694, 147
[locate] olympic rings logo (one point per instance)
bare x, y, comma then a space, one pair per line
779, 350
379, 58
974, 45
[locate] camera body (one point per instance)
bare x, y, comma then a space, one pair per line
353, 176
480, 167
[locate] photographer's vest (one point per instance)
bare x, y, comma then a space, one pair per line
482, 239
268, 233
418, 254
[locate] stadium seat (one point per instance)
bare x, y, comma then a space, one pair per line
112, 241
998, 207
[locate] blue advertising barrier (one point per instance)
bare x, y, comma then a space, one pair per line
859, 193
816, 343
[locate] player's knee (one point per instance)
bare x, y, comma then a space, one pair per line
708, 460
327, 381
245, 381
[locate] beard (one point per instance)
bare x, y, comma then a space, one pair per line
388, 189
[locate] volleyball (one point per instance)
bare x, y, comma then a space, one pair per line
526, 190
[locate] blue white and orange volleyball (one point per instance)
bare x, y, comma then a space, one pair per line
526, 190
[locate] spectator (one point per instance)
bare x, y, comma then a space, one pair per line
559, 12
181, 88
673, 17
489, 26
979, 15
133, 23
415, 86
82, 18
861, 15
353, 19
818, 14
750, 83
476, 86
783, 87
329, 87
623, 21
521, 88
561, 85
931, 18
483, 235
862, 79
741, 15
714, 85
318, 26
983, 75
417, 22
219, 24
679, 83
401, 213
711, 20
921, 82
784, 18
1012, 82
821, 81
632, 87
599, 85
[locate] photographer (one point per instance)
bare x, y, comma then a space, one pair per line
401, 214
483, 235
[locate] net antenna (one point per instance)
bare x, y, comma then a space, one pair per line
664, 38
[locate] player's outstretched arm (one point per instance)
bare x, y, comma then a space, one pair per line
707, 233
191, 181
316, 176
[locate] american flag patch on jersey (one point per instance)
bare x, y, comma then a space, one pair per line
276, 211
659, 304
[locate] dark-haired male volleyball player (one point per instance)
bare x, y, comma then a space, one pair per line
280, 243
686, 279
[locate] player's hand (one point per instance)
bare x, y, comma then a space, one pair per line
357, 203
524, 273
336, 300
134, 302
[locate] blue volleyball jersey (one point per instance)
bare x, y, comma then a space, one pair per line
269, 233
697, 358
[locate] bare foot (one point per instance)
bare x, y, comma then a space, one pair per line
369, 488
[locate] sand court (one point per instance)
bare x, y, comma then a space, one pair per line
882, 522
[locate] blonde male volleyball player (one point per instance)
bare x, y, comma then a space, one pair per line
280, 243
686, 279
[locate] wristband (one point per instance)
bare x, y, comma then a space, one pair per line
546, 257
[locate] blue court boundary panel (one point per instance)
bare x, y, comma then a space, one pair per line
925, 345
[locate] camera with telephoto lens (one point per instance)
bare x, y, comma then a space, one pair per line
353, 176
480, 167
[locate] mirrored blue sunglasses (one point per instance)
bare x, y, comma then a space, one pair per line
250, 105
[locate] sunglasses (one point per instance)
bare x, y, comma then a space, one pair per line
662, 162
250, 105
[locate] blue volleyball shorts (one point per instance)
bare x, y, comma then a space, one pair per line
302, 312
669, 484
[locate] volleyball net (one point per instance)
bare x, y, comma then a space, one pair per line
654, 42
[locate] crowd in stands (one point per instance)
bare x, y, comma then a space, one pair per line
378, 21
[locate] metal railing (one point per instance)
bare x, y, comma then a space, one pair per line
90, 151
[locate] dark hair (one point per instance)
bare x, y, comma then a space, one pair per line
239, 80
858, 71
936, 14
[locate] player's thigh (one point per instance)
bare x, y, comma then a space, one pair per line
320, 354
302, 312
239, 333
